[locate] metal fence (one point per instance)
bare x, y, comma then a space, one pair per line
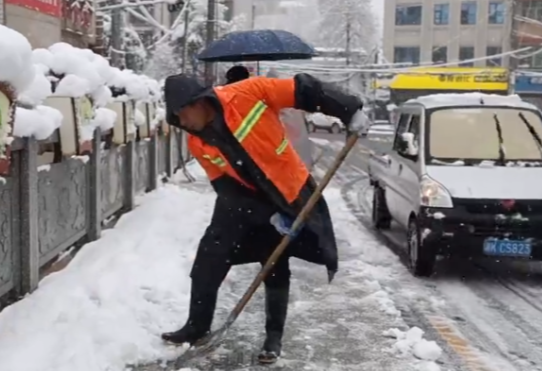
46, 209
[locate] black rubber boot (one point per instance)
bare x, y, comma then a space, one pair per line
276, 309
200, 318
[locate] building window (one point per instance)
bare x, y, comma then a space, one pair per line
537, 61
496, 12
440, 54
441, 14
403, 54
408, 15
468, 12
466, 53
533, 61
496, 61
531, 9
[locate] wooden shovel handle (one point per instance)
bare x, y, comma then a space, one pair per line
350, 142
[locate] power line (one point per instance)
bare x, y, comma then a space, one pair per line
409, 70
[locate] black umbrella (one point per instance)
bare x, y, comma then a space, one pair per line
257, 45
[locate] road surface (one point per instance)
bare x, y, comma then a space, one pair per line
487, 314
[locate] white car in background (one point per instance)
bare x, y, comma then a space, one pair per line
319, 121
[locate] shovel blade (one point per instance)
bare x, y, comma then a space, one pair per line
202, 347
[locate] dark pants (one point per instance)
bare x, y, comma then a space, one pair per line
233, 244
239, 233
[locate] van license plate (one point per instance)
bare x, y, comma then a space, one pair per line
498, 247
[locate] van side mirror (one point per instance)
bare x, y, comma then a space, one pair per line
407, 147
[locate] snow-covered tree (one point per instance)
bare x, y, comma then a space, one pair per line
167, 53
348, 24
165, 61
297, 16
135, 52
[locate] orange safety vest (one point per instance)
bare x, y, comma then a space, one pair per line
259, 130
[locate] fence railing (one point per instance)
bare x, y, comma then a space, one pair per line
47, 206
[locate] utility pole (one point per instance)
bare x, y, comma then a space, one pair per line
513, 62
210, 36
253, 17
117, 55
348, 39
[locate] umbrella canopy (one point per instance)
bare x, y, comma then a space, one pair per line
257, 45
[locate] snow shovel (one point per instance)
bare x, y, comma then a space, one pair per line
214, 339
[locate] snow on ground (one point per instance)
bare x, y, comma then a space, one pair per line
382, 129
320, 141
107, 309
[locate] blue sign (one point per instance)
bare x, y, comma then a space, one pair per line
528, 84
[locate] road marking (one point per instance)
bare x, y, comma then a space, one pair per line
468, 354
366, 151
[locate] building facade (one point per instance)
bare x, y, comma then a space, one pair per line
45, 22
528, 32
447, 31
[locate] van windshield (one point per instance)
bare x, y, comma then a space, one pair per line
487, 133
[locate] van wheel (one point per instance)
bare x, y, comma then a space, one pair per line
335, 128
380, 216
311, 128
421, 258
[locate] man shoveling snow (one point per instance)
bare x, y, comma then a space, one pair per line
261, 183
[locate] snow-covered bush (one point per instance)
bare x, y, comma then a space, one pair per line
30, 77
16, 74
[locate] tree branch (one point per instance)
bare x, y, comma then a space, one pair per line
144, 19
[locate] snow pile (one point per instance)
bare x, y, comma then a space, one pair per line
412, 342
385, 303
16, 73
38, 90
39, 122
104, 118
107, 308
159, 116
130, 86
79, 72
140, 118
16, 67
66, 71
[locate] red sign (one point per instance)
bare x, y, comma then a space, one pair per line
50, 7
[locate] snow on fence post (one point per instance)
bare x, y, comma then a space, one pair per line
95, 189
28, 209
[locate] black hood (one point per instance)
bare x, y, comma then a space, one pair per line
180, 91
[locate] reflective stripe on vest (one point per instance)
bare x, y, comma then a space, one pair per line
282, 147
249, 121
217, 160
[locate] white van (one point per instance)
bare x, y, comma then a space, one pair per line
463, 177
